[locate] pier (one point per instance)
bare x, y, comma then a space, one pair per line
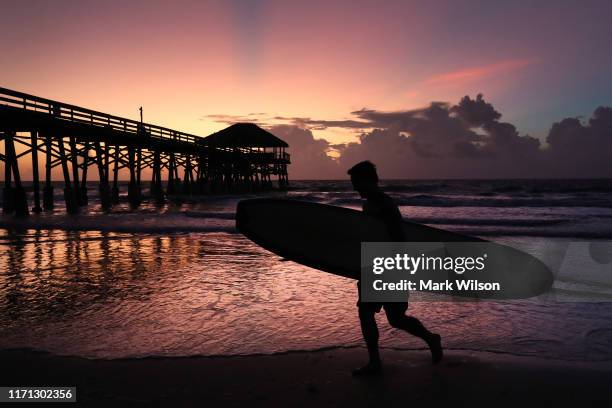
241, 158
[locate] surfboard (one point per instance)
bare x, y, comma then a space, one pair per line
328, 238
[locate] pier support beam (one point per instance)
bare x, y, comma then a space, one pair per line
156, 182
75, 169
83, 200
187, 177
8, 203
133, 187
69, 195
35, 180
104, 188
115, 191
48, 189
200, 180
139, 171
17, 194
171, 187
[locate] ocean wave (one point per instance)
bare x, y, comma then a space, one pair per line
425, 187
158, 225
476, 187
210, 214
489, 222
210, 222
425, 200
345, 201
535, 232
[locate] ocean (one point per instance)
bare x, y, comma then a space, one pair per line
178, 280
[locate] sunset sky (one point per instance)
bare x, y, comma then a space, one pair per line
197, 65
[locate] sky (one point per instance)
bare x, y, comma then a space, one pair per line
309, 69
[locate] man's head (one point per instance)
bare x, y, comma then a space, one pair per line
364, 178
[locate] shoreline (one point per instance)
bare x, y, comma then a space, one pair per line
305, 378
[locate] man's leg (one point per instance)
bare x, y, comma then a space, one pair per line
369, 329
396, 315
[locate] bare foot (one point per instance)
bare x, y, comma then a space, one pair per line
368, 370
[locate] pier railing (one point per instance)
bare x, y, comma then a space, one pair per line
77, 114
67, 135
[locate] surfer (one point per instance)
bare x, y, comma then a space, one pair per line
365, 181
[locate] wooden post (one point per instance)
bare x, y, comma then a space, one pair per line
75, 169
138, 165
177, 180
187, 176
83, 200
8, 202
115, 192
104, 188
69, 195
48, 189
138, 174
156, 183
285, 168
35, 181
107, 161
170, 188
201, 175
20, 200
133, 194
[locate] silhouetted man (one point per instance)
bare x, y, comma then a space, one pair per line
365, 182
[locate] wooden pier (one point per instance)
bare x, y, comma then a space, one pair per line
240, 158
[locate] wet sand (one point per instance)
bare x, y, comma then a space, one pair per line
317, 378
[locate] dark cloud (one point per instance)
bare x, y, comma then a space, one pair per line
579, 149
475, 112
309, 158
466, 140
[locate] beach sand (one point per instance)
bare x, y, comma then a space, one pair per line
316, 378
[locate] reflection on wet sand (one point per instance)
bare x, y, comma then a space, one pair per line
114, 294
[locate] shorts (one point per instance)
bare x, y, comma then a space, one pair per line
375, 307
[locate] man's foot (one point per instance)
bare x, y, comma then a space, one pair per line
435, 346
368, 370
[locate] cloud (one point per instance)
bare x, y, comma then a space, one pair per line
259, 118
475, 112
581, 149
471, 74
309, 158
321, 124
469, 140
465, 140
